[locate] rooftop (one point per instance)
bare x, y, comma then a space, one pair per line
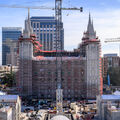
41, 18
2, 93
5, 109
8, 98
110, 97
11, 28
114, 109
110, 55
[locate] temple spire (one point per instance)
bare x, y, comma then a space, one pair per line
90, 29
89, 19
28, 28
28, 13
92, 25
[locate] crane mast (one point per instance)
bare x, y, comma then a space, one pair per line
59, 91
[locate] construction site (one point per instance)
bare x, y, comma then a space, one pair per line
59, 75
37, 74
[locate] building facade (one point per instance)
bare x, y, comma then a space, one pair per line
113, 113
10, 37
6, 113
73, 78
7, 69
90, 48
45, 30
81, 74
14, 102
108, 107
109, 61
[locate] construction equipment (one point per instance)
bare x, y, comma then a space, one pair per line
112, 40
59, 91
40, 7
58, 14
59, 94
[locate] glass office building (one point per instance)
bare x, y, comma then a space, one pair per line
44, 28
9, 33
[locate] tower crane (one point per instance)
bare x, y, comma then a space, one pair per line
58, 44
112, 40
58, 15
40, 7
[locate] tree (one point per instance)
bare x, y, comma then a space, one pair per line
9, 79
114, 73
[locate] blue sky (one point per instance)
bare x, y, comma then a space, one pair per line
105, 13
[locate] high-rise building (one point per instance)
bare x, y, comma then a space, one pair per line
109, 61
14, 102
9, 34
44, 28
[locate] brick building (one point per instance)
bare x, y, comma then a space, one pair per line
73, 77
109, 61
81, 69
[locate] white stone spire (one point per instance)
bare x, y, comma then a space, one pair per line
90, 29
28, 28
89, 24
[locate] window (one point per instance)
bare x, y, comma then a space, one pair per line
50, 36
69, 72
62, 72
76, 79
37, 25
82, 72
41, 26
40, 36
49, 79
35, 73
49, 62
49, 72
55, 73
82, 79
